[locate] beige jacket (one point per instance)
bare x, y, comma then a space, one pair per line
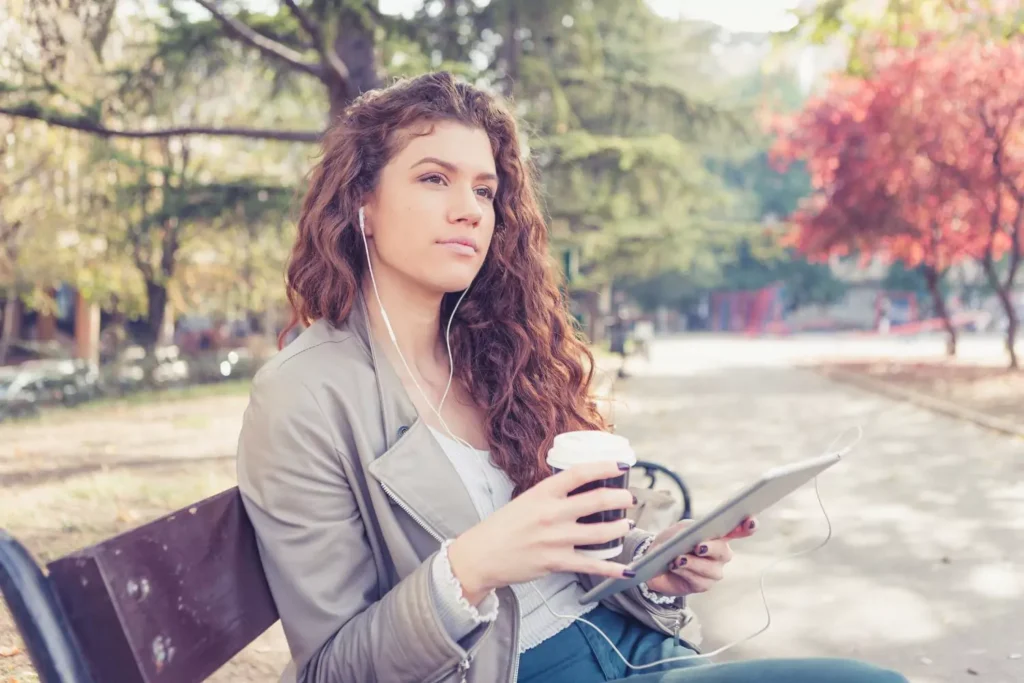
350, 496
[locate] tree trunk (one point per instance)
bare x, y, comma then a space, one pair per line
7, 332
355, 47
1006, 299
510, 51
931, 276
1005, 293
156, 309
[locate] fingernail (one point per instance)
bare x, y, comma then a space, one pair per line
628, 573
751, 524
702, 550
623, 467
632, 524
677, 563
634, 500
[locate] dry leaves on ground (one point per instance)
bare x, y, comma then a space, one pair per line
994, 391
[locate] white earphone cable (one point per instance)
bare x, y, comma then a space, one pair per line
462, 442
394, 339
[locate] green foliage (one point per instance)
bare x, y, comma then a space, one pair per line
761, 198
619, 107
618, 137
860, 26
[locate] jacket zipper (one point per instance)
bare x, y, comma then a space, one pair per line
409, 511
465, 662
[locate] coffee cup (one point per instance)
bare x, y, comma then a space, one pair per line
577, 448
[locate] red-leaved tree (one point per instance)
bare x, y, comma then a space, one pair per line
977, 143
920, 162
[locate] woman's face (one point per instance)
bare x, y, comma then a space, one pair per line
431, 216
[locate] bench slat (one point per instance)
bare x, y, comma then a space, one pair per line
185, 592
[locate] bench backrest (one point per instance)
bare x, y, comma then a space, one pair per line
170, 601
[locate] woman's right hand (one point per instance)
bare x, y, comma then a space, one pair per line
536, 533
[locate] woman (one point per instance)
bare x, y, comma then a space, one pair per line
409, 529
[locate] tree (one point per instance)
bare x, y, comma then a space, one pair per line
977, 146
617, 136
328, 44
34, 203
599, 83
137, 203
877, 191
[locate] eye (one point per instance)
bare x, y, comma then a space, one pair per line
434, 179
485, 192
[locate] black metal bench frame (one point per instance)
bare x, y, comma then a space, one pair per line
652, 470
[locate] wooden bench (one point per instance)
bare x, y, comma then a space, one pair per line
171, 601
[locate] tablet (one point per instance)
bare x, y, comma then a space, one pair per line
773, 486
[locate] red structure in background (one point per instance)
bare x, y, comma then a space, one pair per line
751, 311
760, 311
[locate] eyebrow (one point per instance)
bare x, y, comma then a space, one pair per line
451, 168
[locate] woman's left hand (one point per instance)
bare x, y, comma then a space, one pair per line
701, 569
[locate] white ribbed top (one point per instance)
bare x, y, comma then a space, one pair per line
490, 488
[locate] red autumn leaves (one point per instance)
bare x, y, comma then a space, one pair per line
921, 161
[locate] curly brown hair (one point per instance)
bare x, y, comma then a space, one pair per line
517, 353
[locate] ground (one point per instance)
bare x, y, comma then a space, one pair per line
923, 572
924, 569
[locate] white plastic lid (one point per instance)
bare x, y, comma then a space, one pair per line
577, 448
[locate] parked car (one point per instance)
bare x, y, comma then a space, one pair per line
39, 383
222, 364
18, 393
127, 372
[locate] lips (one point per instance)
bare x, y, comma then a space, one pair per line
461, 241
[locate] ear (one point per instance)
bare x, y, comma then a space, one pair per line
363, 220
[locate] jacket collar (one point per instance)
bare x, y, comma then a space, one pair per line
414, 468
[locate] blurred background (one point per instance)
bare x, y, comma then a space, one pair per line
732, 187
757, 167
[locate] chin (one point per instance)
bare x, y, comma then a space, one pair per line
452, 281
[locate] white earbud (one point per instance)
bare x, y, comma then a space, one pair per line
380, 304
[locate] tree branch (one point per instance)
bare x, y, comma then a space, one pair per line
327, 54
307, 24
32, 111
269, 47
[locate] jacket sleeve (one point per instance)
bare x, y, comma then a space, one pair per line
318, 563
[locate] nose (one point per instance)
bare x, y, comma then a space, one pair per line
465, 207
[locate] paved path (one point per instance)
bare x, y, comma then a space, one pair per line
925, 571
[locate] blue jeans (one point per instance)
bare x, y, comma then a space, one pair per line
580, 655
